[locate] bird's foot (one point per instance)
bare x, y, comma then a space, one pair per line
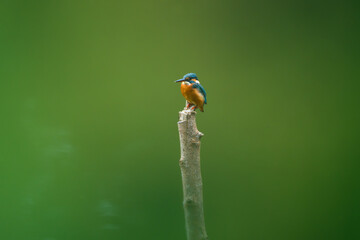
193, 108
188, 106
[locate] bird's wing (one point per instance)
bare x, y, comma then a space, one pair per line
201, 90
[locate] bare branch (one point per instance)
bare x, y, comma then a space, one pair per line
191, 175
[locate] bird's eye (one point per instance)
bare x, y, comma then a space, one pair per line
187, 79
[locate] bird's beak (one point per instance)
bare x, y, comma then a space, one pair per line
180, 80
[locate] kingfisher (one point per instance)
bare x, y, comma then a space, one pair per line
193, 92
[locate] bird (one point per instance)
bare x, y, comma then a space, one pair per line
193, 92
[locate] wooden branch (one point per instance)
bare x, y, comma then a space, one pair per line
191, 175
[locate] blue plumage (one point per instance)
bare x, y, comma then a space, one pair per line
190, 76
201, 90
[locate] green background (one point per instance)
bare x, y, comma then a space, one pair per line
89, 144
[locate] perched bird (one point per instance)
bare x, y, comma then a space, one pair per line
193, 92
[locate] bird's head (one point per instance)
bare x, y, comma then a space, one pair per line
189, 78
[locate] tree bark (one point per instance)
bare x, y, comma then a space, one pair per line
191, 175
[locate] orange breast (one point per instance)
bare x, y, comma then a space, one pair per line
192, 95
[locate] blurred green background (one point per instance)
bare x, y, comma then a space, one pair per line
89, 143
